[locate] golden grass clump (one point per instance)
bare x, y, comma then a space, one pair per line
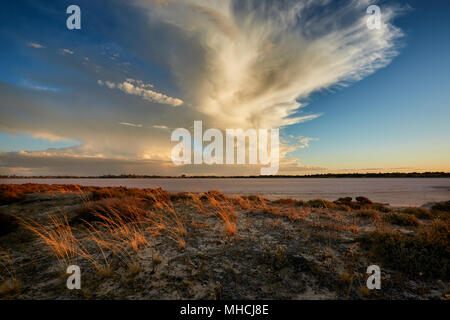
58, 237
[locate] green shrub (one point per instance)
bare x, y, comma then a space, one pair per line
401, 219
427, 253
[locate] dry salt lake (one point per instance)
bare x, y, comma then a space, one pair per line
394, 191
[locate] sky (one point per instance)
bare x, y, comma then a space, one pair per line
104, 99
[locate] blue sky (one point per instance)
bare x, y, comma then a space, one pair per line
114, 89
400, 113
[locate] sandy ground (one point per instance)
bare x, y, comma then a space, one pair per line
274, 254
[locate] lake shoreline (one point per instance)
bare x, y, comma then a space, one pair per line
394, 191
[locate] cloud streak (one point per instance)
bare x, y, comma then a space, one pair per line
128, 124
138, 88
35, 45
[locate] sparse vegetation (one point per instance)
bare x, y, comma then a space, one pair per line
441, 206
320, 203
206, 245
420, 213
426, 253
401, 219
367, 213
363, 200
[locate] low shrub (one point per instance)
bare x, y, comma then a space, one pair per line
420, 213
441, 206
346, 200
300, 203
363, 200
286, 201
401, 219
427, 253
367, 213
320, 203
380, 207
216, 195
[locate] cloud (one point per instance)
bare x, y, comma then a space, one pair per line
130, 124
35, 45
55, 162
60, 163
66, 51
138, 88
300, 142
259, 59
232, 64
37, 86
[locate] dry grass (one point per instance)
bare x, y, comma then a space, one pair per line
120, 227
401, 219
58, 237
224, 209
367, 213
420, 213
426, 253
10, 193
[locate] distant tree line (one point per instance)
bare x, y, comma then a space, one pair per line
323, 175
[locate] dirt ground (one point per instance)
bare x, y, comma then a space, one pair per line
250, 248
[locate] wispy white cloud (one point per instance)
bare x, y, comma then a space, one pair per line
66, 51
160, 127
35, 45
138, 88
129, 124
37, 86
299, 141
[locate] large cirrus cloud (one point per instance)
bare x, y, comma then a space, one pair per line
260, 58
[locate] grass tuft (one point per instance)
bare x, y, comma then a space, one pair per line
426, 253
